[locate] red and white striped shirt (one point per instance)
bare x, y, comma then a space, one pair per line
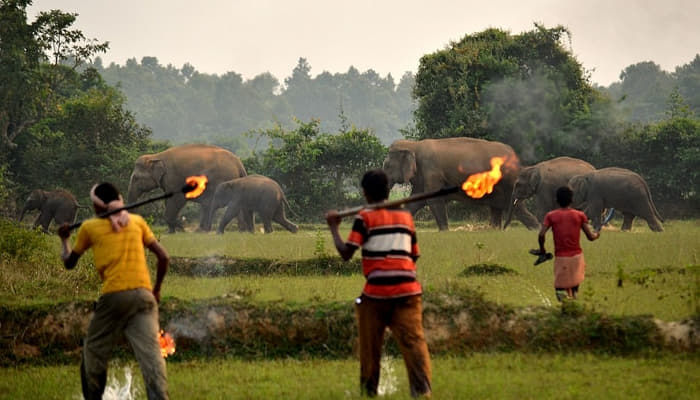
389, 251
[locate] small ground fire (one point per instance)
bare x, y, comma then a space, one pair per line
167, 344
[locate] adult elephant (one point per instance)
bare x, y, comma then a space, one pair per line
431, 164
619, 188
168, 169
57, 205
253, 193
542, 180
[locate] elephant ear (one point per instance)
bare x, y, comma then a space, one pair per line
157, 168
40, 195
579, 184
534, 180
408, 165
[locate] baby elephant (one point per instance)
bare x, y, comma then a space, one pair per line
57, 205
252, 193
617, 188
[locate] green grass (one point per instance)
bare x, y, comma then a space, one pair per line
480, 376
659, 271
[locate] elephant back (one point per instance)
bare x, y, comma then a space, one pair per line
460, 157
218, 164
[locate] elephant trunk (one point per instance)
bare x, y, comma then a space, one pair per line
133, 193
509, 214
21, 215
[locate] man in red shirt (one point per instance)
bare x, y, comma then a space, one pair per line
391, 296
567, 224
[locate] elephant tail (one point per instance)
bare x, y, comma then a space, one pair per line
651, 203
289, 208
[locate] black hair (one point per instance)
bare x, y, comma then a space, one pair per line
106, 192
564, 196
376, 185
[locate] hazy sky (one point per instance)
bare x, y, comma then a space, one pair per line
389, 36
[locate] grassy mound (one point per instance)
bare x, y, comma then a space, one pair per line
457, 323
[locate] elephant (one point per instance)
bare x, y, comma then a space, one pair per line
252, 193
57, 205
542, 180
619, 188
432, 164
168, 169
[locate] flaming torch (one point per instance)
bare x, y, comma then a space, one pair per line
475, 186
480, 184
194, 187
167, 344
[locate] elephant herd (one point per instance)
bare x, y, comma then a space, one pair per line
426, 165
430, 164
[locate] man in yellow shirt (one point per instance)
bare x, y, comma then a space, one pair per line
128, 303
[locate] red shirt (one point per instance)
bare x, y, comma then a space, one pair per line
389, 251
566, 226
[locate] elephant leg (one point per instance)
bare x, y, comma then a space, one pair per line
627, 219
204, 221
231, 211
416, 206
524, 216
496, 217
44, 220
37, 221
281, 219
439, 211
173, 206
654, 224
267, 224
595, 217
246, 221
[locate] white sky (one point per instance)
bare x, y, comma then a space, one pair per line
250, 37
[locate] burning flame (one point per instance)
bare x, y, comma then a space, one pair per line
167, 344
480, 184
199, 183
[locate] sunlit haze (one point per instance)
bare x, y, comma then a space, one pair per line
250, 37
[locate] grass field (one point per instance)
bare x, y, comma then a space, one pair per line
628, 273
659, 272
481, 376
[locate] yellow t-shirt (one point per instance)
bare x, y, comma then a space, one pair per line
120, 257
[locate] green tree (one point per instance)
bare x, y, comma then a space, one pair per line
89, 138
30, 87
20, 87
525, 89
317, 171
642, 92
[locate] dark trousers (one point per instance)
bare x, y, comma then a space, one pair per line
404, 316
135, 314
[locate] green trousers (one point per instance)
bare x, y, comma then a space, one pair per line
133, 314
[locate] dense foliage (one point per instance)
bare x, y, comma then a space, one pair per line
530, 92
317, 171
62, 126
180, 104
526, 90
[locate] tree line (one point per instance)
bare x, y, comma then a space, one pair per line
67, 121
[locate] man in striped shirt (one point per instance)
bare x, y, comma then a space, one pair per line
391, 296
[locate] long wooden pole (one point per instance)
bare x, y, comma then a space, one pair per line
394, 203
185, 189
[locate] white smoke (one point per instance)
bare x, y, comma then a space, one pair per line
387, 376
120, 385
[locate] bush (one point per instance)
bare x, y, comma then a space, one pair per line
19, 243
